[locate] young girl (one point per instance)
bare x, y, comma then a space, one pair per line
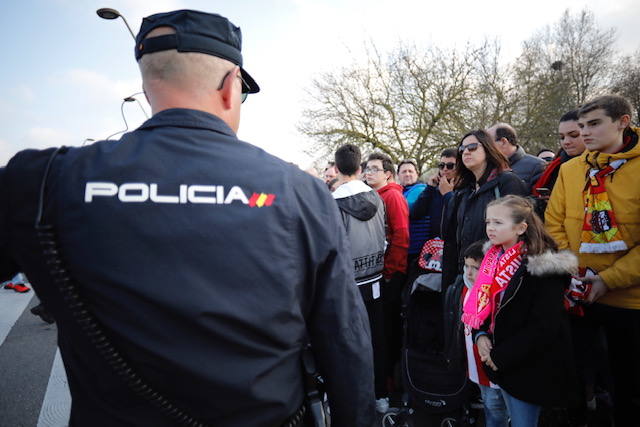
515, 309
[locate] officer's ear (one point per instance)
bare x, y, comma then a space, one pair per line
230, 86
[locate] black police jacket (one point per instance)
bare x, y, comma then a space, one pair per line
208, 262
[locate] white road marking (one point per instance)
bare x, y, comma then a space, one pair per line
56, 405
12, 304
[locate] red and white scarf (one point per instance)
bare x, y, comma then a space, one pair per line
494, 275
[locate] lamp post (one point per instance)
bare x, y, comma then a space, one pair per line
108, 13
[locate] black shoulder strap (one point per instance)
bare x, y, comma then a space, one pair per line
86, 320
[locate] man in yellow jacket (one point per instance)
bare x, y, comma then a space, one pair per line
594, 211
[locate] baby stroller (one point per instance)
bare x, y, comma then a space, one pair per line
433, 356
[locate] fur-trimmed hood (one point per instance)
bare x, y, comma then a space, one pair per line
548, 263
551, 262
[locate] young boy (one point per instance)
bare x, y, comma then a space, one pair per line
495, 409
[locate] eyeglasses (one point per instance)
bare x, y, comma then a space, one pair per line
471, 147
547, 158
372, 169
245, 92
448, 165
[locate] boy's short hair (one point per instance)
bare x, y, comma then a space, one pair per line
449, 152
387, 165
614, 106
474, 251
348, 159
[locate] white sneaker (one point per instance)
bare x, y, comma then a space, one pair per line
382, 405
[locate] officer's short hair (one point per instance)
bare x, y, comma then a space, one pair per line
348, 159
171, 66
387, 164
614, 106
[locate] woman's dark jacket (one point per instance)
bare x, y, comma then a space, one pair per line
531, 340
463, 219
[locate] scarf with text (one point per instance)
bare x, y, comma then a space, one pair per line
600, 233
494, 275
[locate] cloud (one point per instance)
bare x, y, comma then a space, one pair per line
97, 87
22, 93
43, 137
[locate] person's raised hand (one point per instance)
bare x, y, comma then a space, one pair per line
445, 186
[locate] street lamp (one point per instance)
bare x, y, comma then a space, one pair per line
108, 13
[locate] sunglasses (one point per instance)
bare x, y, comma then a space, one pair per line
245, 92
471, 147
448, 165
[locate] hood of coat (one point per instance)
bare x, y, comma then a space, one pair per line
551, 262
358, 200
548, 263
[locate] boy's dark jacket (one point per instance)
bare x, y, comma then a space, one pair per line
531, 339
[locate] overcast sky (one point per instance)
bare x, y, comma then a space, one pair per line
65, 71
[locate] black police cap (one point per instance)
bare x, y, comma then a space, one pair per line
195, 32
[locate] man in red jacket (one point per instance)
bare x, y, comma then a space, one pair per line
379, 174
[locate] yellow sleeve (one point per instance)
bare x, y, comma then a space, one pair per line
556, 212
624, 272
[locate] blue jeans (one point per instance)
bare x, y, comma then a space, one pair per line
495, 410
522, 414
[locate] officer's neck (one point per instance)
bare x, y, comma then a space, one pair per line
168, 98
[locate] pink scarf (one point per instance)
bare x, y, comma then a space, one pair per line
494, 276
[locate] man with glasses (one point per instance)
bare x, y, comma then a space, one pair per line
379, 174
199, 265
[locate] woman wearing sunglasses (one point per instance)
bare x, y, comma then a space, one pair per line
482, 175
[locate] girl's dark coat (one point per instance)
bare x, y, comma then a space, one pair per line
531, 340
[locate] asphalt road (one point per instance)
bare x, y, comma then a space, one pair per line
33, 389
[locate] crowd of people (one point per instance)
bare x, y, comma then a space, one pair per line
197, 280
548, 242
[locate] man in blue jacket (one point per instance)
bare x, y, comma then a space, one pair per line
196, 264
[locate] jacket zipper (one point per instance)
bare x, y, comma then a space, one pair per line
502, 305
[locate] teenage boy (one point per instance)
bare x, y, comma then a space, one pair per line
571, 145
362, 213
594, 210
379, 174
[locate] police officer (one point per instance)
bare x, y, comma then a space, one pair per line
199, 262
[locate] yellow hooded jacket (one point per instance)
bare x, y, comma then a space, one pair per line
565, 215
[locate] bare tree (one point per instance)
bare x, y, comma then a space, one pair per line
413, 102
626, 80
560, 67
409, 104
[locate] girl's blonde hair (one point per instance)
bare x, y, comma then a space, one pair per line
536, 238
